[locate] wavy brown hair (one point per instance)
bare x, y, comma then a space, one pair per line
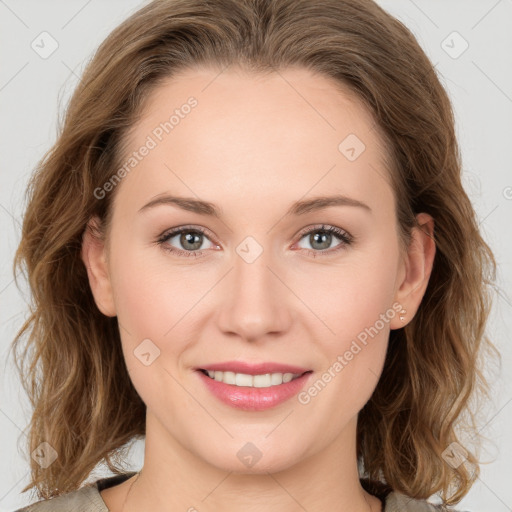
72, 365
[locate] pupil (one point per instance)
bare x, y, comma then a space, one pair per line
188, 238
325, 239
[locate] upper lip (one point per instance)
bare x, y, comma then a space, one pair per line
253, 368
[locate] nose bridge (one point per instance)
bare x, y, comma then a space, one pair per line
253, 303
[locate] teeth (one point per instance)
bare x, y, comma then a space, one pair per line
254, 381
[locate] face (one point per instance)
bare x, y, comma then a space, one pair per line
318, 287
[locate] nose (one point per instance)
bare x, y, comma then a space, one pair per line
254, 301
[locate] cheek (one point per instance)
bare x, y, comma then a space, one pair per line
354, 302
152, 314
155, 300
151, 294
141, 304
350, 296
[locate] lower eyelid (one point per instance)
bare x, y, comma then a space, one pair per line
342, 245
164, 239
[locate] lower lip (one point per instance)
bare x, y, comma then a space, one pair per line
254, 399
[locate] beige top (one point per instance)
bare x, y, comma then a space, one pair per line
88, 499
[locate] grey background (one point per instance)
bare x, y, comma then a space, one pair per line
34, 90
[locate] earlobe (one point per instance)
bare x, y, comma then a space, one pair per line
419, 262
94, 257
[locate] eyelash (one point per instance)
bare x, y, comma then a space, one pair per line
345, 238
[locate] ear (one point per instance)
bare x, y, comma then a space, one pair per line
95, 259
418, 264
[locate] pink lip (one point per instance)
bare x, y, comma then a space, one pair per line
254, 399
253, 369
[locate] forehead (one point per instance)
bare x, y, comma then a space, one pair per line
257, 136
272, 107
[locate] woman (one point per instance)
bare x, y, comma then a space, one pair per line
251, 246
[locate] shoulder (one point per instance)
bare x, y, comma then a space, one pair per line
397, 502
86, 499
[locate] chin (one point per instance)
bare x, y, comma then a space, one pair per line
249, 459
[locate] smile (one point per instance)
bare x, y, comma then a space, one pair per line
254, 381
253, 392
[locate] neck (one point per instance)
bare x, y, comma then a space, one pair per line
174, 478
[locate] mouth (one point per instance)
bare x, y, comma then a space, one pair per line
265, 380
253, 392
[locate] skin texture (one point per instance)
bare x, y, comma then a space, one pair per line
253, 145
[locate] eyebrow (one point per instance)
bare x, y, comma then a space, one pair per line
298, 208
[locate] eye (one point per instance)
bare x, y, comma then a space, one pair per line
190, 238
321, 237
